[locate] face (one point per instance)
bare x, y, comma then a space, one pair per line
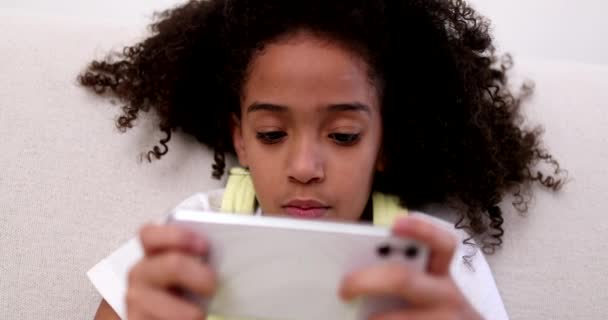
309, 129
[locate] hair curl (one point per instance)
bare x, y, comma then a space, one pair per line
451, 126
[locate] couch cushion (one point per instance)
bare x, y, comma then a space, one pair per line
554, 260
71, 187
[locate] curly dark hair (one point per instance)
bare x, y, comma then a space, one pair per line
451, 126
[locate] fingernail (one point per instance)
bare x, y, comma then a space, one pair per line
401, 224
200, 245
344, 295
342, 290
356, 301
404, 227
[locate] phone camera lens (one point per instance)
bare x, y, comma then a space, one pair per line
411, 252
384, 250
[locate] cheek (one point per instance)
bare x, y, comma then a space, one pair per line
353, 175
265, 167
266, 174
359, 162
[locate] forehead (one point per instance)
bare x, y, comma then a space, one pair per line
304, 71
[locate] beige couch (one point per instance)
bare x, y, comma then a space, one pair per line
72, 190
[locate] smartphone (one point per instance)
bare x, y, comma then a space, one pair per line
287, 268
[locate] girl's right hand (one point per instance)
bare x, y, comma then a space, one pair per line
172, 263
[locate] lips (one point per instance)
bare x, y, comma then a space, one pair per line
307, 209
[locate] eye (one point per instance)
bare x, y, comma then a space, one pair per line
345, 139
270, 137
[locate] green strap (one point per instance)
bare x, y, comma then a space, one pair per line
386, 209
239, 196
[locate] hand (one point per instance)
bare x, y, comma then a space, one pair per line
430, 295
172, 262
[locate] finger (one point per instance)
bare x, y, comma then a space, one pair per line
441, 243
413, 314
172, 270
147, 303
390, 279
156, 238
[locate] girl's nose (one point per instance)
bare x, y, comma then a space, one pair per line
306, 165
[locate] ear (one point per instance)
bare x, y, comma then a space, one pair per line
238, 141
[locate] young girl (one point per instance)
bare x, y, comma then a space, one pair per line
331, 105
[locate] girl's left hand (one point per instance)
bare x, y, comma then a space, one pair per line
430, 295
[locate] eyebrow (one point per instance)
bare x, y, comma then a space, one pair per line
340, 107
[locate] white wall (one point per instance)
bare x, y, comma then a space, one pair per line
119, 11
549, 29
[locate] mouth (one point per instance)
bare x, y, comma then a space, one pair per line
306, 209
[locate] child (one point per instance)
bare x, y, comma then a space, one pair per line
330, 105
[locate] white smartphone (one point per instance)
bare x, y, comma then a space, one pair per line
285, 268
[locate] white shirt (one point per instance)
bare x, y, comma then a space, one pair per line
475, 280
